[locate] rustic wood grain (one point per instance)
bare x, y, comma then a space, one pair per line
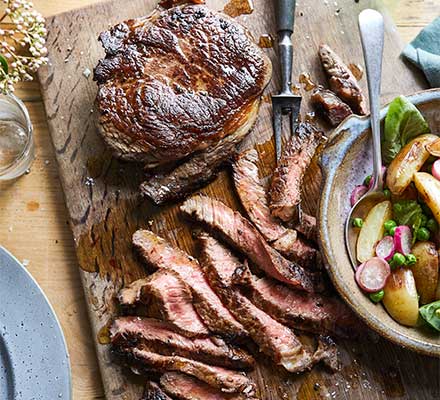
42, 236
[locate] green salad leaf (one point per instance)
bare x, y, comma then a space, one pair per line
4, 64
431, 314
403, 122
410, 213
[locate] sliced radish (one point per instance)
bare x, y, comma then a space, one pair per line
357, 193
436, 169
384, 170
403, 239
385, 248
372, 275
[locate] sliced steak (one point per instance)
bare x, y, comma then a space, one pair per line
185, 387
159, 254
242, 235
193, 173
330, 106
167, 297
273, 339
160, 337
327, 353
152, 391
286, 185
253, 198
176, 82
228, 381
309, 312
341, 80
173, 3
307, 227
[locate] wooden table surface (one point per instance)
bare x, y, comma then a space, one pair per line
33, 215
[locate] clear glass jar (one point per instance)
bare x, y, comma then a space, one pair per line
16, 138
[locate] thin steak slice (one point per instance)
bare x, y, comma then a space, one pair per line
327, 353
286, 185
254, 200
160, 337
307, 226
242, 235
193, 173
159, 254
273, 339
341, 80
185, 387
177, 82
152, 391
167, 297
330, 105
142, 361
309, 312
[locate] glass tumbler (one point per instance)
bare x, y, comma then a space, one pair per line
16, 138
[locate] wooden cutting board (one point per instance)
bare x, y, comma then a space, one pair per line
104, 207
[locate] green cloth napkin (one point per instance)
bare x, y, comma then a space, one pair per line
424, 52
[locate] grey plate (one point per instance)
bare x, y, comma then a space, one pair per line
34, 363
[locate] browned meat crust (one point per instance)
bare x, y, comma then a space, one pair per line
254, 200
167, 297
185, 387
273, 339
152, 391
307, 226
160, 337
285, 190
309, 312
173, 3
176, 82
193, 173
341, 80
228, 381
330, 105
159, 254
327, 353
243, 236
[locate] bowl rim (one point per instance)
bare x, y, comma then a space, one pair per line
341, 135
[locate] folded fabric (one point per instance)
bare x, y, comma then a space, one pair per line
424, 52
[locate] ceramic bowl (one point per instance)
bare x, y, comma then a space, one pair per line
345, 163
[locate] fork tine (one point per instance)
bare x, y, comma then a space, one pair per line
294, 115
277, 129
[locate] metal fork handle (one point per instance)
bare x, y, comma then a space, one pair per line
371, 27
285, 14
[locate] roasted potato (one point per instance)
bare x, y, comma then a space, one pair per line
372, 230
400, 298
429, 190
407, 162
434, 148
425, 270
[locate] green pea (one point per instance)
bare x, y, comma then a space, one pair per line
367, 180
423, 234
388, 225
399, 259
387, 193
392, 231
358, 222
392, 265
432, 225
410, 259
377, 296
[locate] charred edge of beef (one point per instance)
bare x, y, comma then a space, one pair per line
273, 339
185, 387
327, 353
174, 3
142, 361
159, 254
166, 296
330, 106
152, 391
244, 237
198, 171
160, 337
286, 185
307, 227
341, 80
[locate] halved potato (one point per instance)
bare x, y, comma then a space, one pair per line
425, 270
372, 230
429, 190
400, 298
434, 148
407, 162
